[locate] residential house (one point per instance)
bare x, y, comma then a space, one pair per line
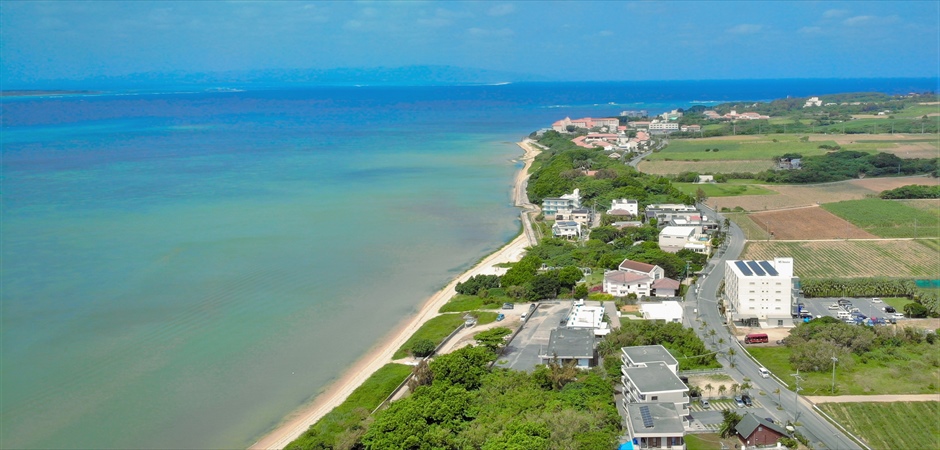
690, 128
665, 287
566, 229
712, 115
671, 115
705, 179
624, 207
614, 156
761, 291
756, 432
551, 205
654, 426
675, 238
668, 311
649, 376
581, 216
666, 212
622, 284
571, 344
812, 101
636, 267
586, 317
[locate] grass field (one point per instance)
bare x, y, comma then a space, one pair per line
903, 370
461, 303
723, 189
662, 167
435, 329
850, 259
887, 218
751, 229
890, 425
707, 441
761, 147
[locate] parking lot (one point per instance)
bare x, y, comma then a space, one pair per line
866, 306
523, 351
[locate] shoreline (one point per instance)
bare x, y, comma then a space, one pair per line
381, 353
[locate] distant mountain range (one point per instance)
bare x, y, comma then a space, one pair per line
418, 75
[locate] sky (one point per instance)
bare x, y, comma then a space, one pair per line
561, 41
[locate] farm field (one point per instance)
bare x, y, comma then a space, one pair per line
751, 230
853, 259
887, 218
890, 425
807, 195
758, 147
811, 223
662, 167
723, 189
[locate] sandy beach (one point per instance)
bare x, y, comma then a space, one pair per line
382, 353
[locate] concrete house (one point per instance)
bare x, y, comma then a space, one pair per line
571, 344
624, 207
649, 376
654, 272
675, 238
622, 284
551, 205
566, 229
668, 311
655, 426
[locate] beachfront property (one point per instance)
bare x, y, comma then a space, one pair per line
551, 205
567, 229
566, 345
582, 216
562, 125
624, 207
760, 291
658, 126
675, 238
654, 426
585, 317
649, 375
671, 115
668, 311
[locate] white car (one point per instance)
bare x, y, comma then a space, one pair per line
833, 306
876, 300
898, 316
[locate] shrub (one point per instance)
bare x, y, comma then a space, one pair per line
422, 348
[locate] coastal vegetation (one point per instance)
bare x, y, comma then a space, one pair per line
890, 425
344, 425
681, 342
434, 330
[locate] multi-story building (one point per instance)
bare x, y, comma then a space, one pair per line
655, 426
551, 205
649, 376
675, 238
760, 291
624, 207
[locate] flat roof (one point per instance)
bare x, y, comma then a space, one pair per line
750, 268
655, 377
569, 343
643, 354
654, 418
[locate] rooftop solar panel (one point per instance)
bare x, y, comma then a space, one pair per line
769, 268
743, 268
647, 417
756, 268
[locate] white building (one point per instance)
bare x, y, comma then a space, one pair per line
551, 205
655, 426
649, 376
624, 206
566, 229
622, 284
587, 317
664, 126
571, 344
675, 238
761, 291
669, 311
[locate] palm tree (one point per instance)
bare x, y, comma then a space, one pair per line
745, 386
721, 390
777, 391
734, 388
709, 387
731, 353
730, 420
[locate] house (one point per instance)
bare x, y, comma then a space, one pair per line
640, 124
566, 229
675, 238
581, 316
665, 212
712, 115
649, 375
624, 207
668, 311
761, 291
665, 287
754, 432
571, 344
654, 426
671, 115
654, 272
691, 128
705, 179
663, 127
551, 205
622, 284
813, 101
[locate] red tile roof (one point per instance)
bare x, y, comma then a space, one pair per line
637, 266
666, 283
625, 278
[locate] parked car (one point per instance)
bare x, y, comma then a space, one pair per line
508, 305
747, 400
834, 306
876, 300
889, 309
738, 402
898, 315
705, 404
500, 317
843, 301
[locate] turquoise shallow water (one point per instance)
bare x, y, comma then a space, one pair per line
184, 270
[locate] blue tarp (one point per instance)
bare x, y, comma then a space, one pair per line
626, 446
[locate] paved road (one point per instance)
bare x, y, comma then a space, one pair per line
820, 432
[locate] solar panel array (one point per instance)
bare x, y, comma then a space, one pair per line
756, 268
647, 418
769, 268
743, 268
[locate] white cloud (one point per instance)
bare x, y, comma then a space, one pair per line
745, 28
501, 10
810, 30
835, 13
606, 33
484, 32
858, 20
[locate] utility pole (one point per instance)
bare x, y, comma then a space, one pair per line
834, 361
796, 396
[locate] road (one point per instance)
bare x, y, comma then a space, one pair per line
704, 308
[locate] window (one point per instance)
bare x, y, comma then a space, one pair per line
654, 398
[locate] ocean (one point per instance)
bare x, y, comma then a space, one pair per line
183, 268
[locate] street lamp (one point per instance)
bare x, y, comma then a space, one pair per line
834, 361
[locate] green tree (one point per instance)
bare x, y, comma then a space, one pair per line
581, 291
709, 387
730, 419
700, 195
423, 347
523, 271
721, 390
464, 367
915, 310
493, 338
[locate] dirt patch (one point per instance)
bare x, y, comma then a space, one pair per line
716, 381
914, 150
791, 196
810, 223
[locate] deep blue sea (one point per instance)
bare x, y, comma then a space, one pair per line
183, 269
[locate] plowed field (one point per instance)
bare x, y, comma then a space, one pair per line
808, 223
852, 259
808, 195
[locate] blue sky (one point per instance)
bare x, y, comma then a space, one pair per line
76, 40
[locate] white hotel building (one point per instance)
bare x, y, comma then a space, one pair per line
761, 290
